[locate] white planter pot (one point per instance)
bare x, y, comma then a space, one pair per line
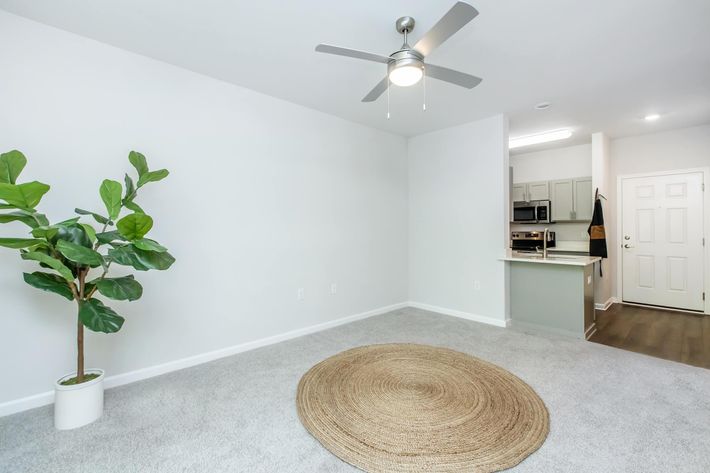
78, 404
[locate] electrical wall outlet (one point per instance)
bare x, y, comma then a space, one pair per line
301, 294
333, 288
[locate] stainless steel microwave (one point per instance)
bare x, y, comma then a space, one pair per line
535, 211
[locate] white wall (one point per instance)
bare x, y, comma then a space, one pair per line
601, 179
551, 164
670, 150
264, 197
548, 165
457, 218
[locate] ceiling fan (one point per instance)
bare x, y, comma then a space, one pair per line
406, 66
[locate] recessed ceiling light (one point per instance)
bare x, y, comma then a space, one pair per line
552, 135
652, 117
543, 106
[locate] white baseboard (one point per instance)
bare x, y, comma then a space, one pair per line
42, 399
462, 315
607, 304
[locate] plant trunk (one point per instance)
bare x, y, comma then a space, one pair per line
79, 351
80, 333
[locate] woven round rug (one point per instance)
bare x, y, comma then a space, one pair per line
418, 408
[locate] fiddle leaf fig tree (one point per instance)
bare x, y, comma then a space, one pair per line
75, 257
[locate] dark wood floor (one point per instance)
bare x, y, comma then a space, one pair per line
675, 336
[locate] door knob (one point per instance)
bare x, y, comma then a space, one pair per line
626, 237
627, 246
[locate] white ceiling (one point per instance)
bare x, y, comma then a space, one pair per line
603, 64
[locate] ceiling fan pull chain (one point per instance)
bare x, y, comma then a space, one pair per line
424, 90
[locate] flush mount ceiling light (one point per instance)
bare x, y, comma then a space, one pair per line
543, 106
652, 117
552, 135
406, 67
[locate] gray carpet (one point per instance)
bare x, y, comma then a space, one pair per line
610, 410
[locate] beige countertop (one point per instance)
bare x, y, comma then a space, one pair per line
569, 260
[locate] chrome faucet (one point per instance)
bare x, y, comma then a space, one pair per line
545, 235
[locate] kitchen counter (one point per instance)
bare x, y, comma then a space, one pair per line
554, 295
570, 260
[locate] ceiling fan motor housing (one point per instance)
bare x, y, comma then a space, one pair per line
403, 58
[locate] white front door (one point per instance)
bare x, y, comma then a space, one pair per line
662, 240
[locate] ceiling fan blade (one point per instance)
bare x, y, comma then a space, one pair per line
455, 19
337, 50
452, 76
379, 89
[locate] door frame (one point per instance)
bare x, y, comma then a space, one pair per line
706, 228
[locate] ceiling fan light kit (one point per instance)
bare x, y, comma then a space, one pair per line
407, 66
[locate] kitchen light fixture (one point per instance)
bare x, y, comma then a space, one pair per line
652, 117
552, 135
543, 106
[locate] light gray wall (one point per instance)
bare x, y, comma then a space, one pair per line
264, 197
551, 164
676, 149
457, 217
601, 179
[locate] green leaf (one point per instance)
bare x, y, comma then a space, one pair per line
11, 165
108, 237
149, 245
79, 254
138, 161
49, 282
130, 187
90, 232
20, 216
111, 195
152, 176
134, 226
24, 196
99, 218
129, 255
130, 205
53, 263
17, 243
72, 232
48, 233
99, 318
120, 289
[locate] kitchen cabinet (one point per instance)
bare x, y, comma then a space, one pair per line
571, 199
538, 190
519, 192
527, 191
562, 199
583, 199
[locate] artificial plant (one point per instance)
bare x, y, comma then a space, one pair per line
72, 250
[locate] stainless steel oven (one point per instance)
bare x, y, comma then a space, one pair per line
535, 211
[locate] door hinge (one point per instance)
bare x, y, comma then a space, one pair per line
703, 296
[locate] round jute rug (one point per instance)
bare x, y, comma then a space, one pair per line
418, 408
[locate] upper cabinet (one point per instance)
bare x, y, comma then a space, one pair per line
520, 192
538, 190
571, 199
583, 199
528, 191
562, 199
